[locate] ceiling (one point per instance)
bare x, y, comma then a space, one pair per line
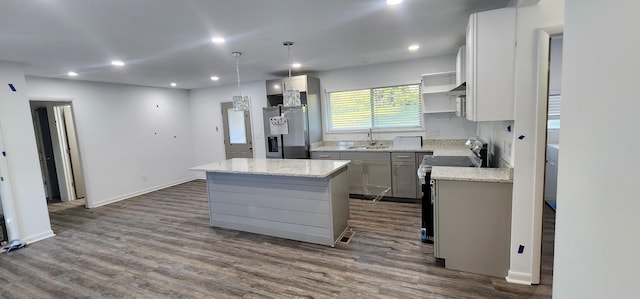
165, 41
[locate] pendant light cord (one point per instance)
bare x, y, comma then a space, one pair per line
289, 44
237, 55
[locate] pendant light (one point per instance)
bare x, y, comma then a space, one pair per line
240, 103
291, 96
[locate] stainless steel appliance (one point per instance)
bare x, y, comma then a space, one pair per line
295, 143
303, 124
478, 158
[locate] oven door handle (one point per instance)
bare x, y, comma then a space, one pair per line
432, 185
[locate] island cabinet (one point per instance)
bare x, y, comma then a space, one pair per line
298, 199
490, 65
369, 173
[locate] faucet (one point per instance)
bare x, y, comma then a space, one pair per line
370, 135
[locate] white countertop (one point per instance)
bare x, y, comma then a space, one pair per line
472, 174
279, 167
437, 149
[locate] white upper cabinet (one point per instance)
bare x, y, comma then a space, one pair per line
490, 61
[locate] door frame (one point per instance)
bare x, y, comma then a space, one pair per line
65, 165
224, 106
540, 143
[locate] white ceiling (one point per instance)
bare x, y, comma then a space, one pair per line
165, 41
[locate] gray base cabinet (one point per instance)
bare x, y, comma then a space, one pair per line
325, 155
473, 226
403, 174
369, 173
380, 173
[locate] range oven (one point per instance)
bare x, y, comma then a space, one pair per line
478, 158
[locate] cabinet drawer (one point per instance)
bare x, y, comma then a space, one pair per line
409, 157
325, 155
364, 156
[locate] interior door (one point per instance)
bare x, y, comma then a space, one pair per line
45, 150
237, 132
74, 153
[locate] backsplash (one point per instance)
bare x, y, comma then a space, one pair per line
499, 136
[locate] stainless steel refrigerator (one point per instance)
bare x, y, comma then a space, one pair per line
286, 131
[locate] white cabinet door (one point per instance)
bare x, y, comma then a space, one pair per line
490, 65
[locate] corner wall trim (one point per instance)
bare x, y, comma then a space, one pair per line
134, 194
519, 277
38, 237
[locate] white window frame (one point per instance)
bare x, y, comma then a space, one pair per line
328, 118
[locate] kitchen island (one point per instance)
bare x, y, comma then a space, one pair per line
297, 199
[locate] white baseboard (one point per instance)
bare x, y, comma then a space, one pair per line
519, 277
38, 237
91, 205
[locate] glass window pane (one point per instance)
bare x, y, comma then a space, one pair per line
350, 109
397, 107
237, 132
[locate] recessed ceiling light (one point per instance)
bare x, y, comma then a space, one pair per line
276, 86
72, 74
414, 47
393, 2
218, 40
296, 65
173, 84
215, 78
117, 63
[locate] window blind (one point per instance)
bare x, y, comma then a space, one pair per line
396, 107
554, 106
380, 108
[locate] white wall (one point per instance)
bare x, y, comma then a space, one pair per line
132, 139
555, 68
22, 190
499, 135
206, 120
389, 74
547, 13
596, 248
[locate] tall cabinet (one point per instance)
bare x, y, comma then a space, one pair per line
490, 65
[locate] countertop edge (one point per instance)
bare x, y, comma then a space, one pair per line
231, 171
488, 175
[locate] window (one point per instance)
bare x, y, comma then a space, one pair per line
395, 107
553, 112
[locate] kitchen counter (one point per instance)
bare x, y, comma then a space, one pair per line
438, 147
276, 167
303, 200
472, 174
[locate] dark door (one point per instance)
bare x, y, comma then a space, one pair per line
47, 160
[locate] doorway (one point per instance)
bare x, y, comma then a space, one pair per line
237, 132
58, 152
547, 118
553, 121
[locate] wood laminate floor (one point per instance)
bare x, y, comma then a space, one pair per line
160, 245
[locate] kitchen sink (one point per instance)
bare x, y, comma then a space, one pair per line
381, 146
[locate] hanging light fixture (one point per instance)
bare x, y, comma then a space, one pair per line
240, 103
291, 96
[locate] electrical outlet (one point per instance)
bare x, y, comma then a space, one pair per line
504, 146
